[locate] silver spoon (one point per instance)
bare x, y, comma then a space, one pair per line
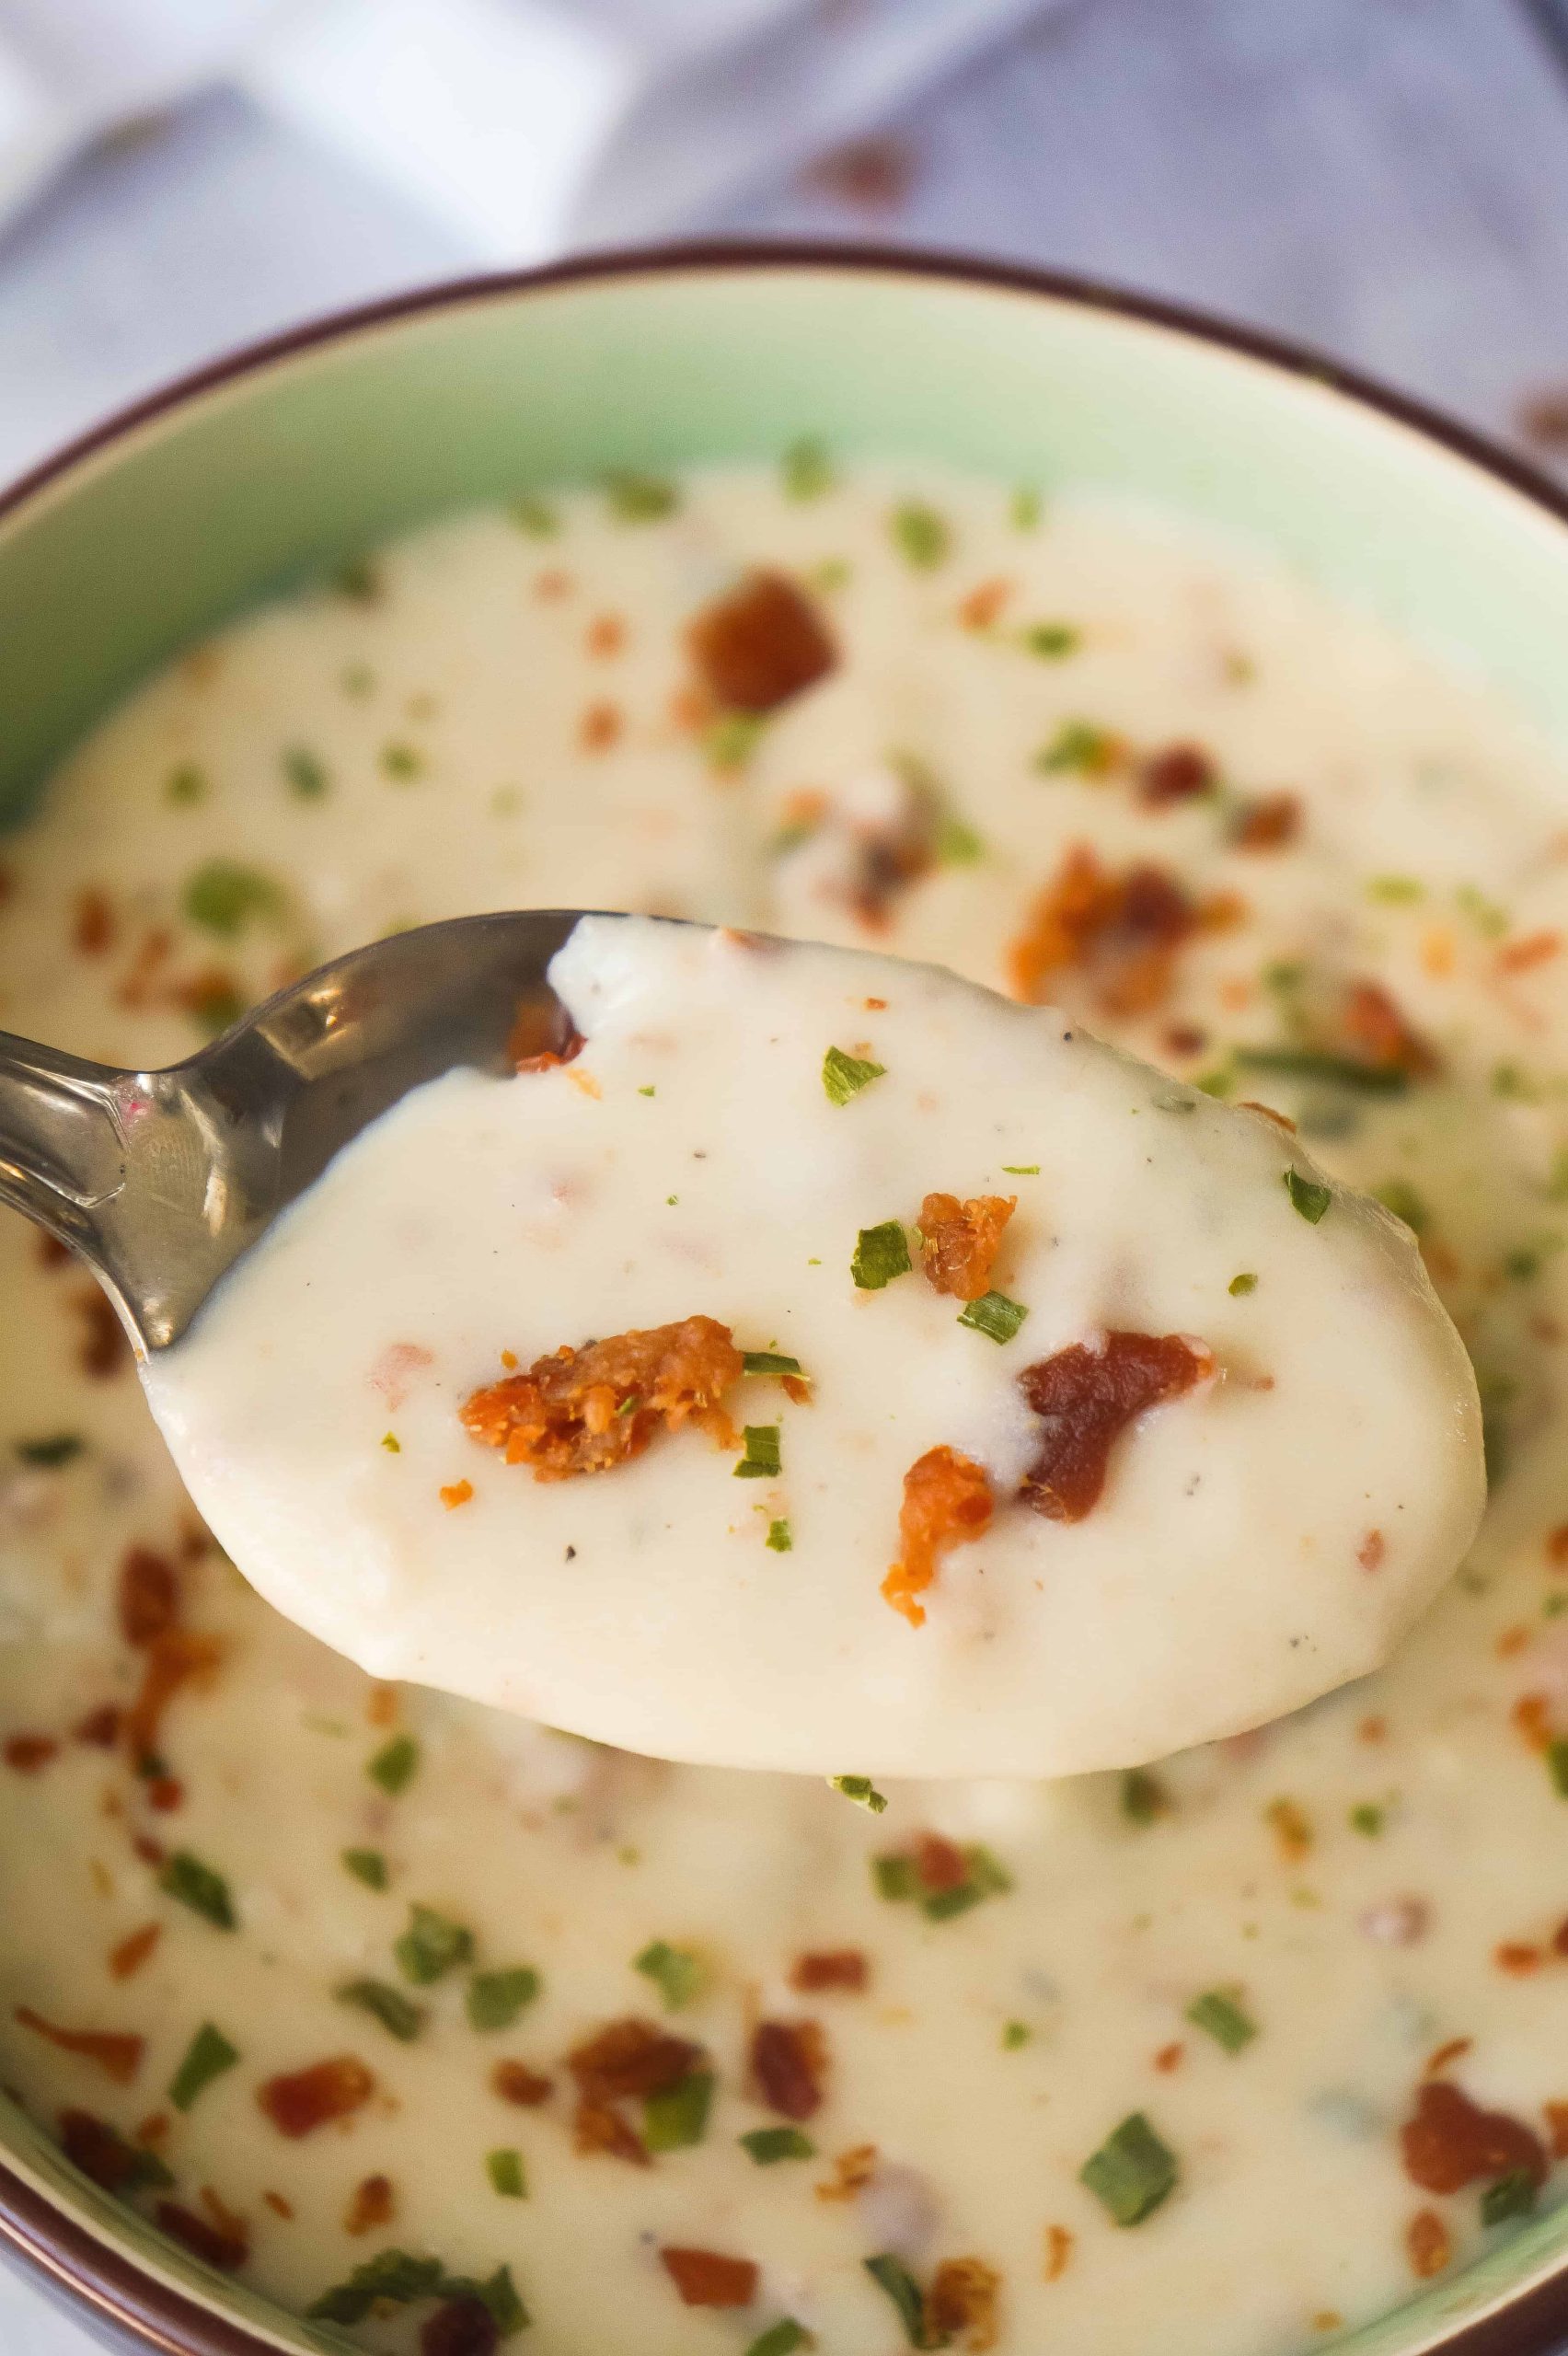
162, 1179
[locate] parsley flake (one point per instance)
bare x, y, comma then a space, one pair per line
1366, 1818
367, 1866
761, 1459
1050, 640
397, 2013
861, 1790
307, 776
535, 516
994, 1315
1132, 2172
197, 1886
1078, 746
496, 1998
1219, 2017
891, 2275
1239, 1287
1014, 2035
432, 1947
1025, 508
679, 2116
921, 537
767, 2146
769, 1362
781, 1537
504, 2169
226, 898
396, 1764
1143, 1796
880, 1253
1307, 1195
637, 498
679, 1976
780, 2338
185, 785
1513, 2195
844, 1076
807, 470
208, 2055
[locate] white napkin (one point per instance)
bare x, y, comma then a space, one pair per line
525, 125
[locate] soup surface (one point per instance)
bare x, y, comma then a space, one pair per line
327, 1975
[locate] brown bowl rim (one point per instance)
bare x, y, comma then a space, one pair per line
118, 2291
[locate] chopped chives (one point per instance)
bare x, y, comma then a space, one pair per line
1222, 2018
58, 1448
780, 2338
1020, 1169
678, 1975
306, 775
1051, 640
994, 1315
648, 1091
391, 1443
432, 1947
1078, 745
781, 1537
767, 2146
1307, 1195
807, 470
504, 2169
1557, 1765
1132, 2172
920, 535
223, 897
769, 1362
895, 1877
861, 1790
1393, 889
208, 2055
880, 1253
638, 498
535, 516
1239, 1287
957, 842
495, 1998
1513, 2195
761, 1459
1368, 1820
185, 784
401, 761
1143, 1796
197, 1886
397, 2013
396, 1764
1336, 1072
1398, 1195
367, 1866
1014, 2035
894, 2277
844, 1076
677, 2118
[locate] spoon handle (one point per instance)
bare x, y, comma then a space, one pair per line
62, 1138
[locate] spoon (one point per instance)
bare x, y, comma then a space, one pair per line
160, 1180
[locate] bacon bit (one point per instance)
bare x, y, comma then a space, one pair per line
1372, 1550
210, 995
151, 1852
104, 1348
515, 2082
52, 1253
148, 1595
1177, 774
600, 727
1291, 1827
961, 2298
1427, 2240
1123, 932
1373, 1730
761, 644
1184, 1039
1058, 2249
1450, 2143
127, 1958
279, 2206
1087, 1399
607, 635
460, 2328
302, 2100
92, 926
1375, 1027
176, 1658
704, 2279
101, 1727
1531, 948
215, 2245
153, 952
1557, 1547
1556, 2117
830, 1968
940, 1863
983, 604
852, 2171
1512, 1641
586, 1411
959, 1241
947, 1503
1532, 1716
788, 2060
874, 175
1518, 1960
1267, 823
103, 2155
552, 583
373, 2203
1560, 1939
596, 2127
630, 2059
118, 2055
1168, 2057
797, 1387
456, 1494
30, 1752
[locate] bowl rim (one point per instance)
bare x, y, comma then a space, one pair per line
93, 2271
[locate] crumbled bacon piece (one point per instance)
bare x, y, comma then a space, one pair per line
217, 2245
761, 644
541, 1039
597, 2127
947, 1503
1372, 1550
279, 2206
940, 1863
960, 2303
626, 2061
789, 2062
890, 856
1518, 1960
101, 1727
103, 1348
830, 1968
1427, 2244
302, 2100
102, 2154
1377, 1031
1556, 2117
605, 634
27, 1753
1451, 2142
148, 1595
118, 2054
1266, 823
92, 922
1058, 2249
1085, 1400
959, 1241
983, 605
126, 1959
175, 1658
1170, 2058
372, 2204
1529, 949
584, 1411
515, 2082
1292, 1829
1177, 774
1123, 932
600, 727
460, 2328
1532, 1716
704, 2278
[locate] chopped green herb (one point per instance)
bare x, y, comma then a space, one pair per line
432, 1947
1395, 888
1306, 1196
185, 785
1132, 2172
895, 1877
1020, 1169
729, 740
769, 1362
223, 897
957, 844
672, 2120
1143, 1796
844, 1076
137, 2170
648, 1091
356, 679
1239, 1287
216, 1007
395, 2011
780, 2338
1025, 508
781, 1537
58, 1448
920, 535
1051, 640
197, 1886
1219, 1081
894, 2278
1484, 914
1014, 2034
396, 1764
879, 1254
1222, 2018
761, 1459
1398, 1195
1513, 2195
945, 1905
391, 1443
1332, 1071
639, 498
208, 2055
987, 1878
769, 2144
498, 2293
535, 516
995, 1315
808, 471
402, 761
833, 572
496, 1998
861, 1790
504, 2169
358, 579
393, 2276
1078, 745
307, 776
1557, 1765
679, 1976
1367, 1819
367, 1866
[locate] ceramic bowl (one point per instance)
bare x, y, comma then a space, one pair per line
272, 465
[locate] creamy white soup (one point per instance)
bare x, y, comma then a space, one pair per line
1132, 1503
448, 2028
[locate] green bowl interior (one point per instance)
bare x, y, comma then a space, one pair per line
303, 458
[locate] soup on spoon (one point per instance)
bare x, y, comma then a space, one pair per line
826, 1364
